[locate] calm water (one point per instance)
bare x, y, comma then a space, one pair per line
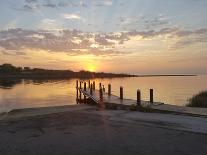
29, 93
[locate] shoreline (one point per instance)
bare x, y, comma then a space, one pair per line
167, 75
34, 77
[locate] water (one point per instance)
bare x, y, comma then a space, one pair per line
40, 93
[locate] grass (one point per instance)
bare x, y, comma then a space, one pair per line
111, 106
141, 108
133, 107
199, 100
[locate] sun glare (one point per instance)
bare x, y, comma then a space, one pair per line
91, 67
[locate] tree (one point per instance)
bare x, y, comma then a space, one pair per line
9, 68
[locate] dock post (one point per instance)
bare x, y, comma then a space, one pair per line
84, 90
109, 89
121, 93
80, 95
91, 89
89, 84
94, 85
84, 86
101, 93
99, 85
138, 97
151, 96
80, 84
77, 84
103, 88
77, 91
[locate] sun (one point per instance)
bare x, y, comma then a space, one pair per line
91, 67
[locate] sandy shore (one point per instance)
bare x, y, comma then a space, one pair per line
83, 129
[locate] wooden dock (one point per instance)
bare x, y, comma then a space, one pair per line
86, 93
86, 90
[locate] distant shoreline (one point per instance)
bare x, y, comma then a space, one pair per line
102, 75
10, 71
71, 76
166, 75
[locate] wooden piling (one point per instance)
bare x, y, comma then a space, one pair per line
103, 88
84, 90
94, 85
77, 91
84, 86
121, 93
138, 97
109, 89
99, 85
76, 83
80, 84
80, 95
151, 96
91, 89
101, 93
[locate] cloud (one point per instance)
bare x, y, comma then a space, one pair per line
104, 3
108, 2
30, 1
97, 52
12, 24
185, 42
103, 41
71, 42
12, 52
56, 4
50, 24
158, 21
31, 6
71, 16
35, 5
63, 4
50, 5
74, 42
127, 20
82, 4
171, 32
189, 38
184, 38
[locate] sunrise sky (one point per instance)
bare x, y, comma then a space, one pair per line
127, 36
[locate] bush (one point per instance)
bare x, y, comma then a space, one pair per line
111, 106
145, 109
199, 100
133, 107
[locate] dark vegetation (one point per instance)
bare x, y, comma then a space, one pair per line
9, 83
199, 100
133, 107
10, 71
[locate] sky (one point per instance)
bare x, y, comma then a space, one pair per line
120, 36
